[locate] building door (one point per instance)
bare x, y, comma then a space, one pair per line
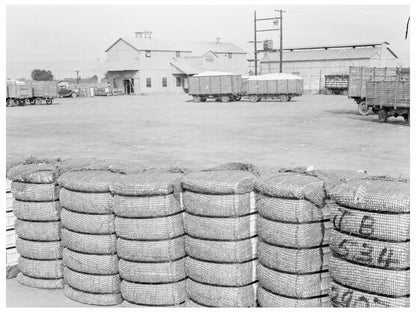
131, 86
126, 83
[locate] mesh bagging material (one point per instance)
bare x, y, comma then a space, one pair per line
154, 294
95, 181
302, 235
221, 251
79, 163
146, 206
127, 304
218, 205
346, 297
89, 263
383, 226
192, 304
294, 285
371, 252
33, 173
147, 183
35, 192
92, 298
38, 231
37, 211
291, 210
292, 185
41, 268
88, 223
152, 272
369, 279
268, 299
294, 260
96, 203
222, 296
151, 251
95, 283
155, 228
222, 274
89, 243
39, 250
47, 283
219, 182
237, 166
373, 195
334, 177
228, 228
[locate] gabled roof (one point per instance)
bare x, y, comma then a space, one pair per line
119, 65
141, 44
183, 67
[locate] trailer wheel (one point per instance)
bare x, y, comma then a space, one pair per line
10, 102
259, 99
225, 98
284, 98
382, 115
254, 98
21, 102
203, 99
363, 108
238, 98
48, 101
197, 98
32, 101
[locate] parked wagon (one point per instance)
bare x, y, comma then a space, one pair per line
336, 84
43, 91
18, 92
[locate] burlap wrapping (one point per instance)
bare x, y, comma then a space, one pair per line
89, 263
33, 173
41, 268
222, 296
89, 243
227, 205
88, 223
35, 192
346, 297
147, 183
97, 203
301, 235
39, 250
95, 283
373, 195
221, 274
294, 285
154, 294
291, 210
369, 279
91, 298
127, 304
155, 228
294, 260
267, 299
219, 182
151, 251
382, 226
371, 252
152, 272
40, 282
229, 228
95, 181
38, 231
146, 206
37, 211
292, 185
221, 251
335, 177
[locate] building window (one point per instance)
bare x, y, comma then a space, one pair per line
178, 53
230, 55
148, 82
178, 81
148, 53
164, 82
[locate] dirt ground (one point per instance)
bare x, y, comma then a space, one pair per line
159, 130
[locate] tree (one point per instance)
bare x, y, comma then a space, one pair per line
41, 75
94, 78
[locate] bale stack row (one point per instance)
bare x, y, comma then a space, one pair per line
38, 227
293, 228
150, 243
221, 238
88, 236
370, 242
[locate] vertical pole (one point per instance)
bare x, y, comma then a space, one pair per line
255, 45
281, 42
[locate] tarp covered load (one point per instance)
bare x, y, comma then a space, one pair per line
150, 244
38, 227
370, 241
221, 241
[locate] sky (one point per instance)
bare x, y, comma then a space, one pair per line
66, 38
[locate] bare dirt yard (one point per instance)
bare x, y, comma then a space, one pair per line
160, 130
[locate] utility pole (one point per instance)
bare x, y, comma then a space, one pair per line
281, 40
255, 44
77, 71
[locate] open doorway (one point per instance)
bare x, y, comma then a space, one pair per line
128, 86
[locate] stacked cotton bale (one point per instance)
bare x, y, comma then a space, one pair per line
370, 242
221, 240
38, 227
150, 239
88, 236
293, 228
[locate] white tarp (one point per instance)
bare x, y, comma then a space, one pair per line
214, 73
281, 76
